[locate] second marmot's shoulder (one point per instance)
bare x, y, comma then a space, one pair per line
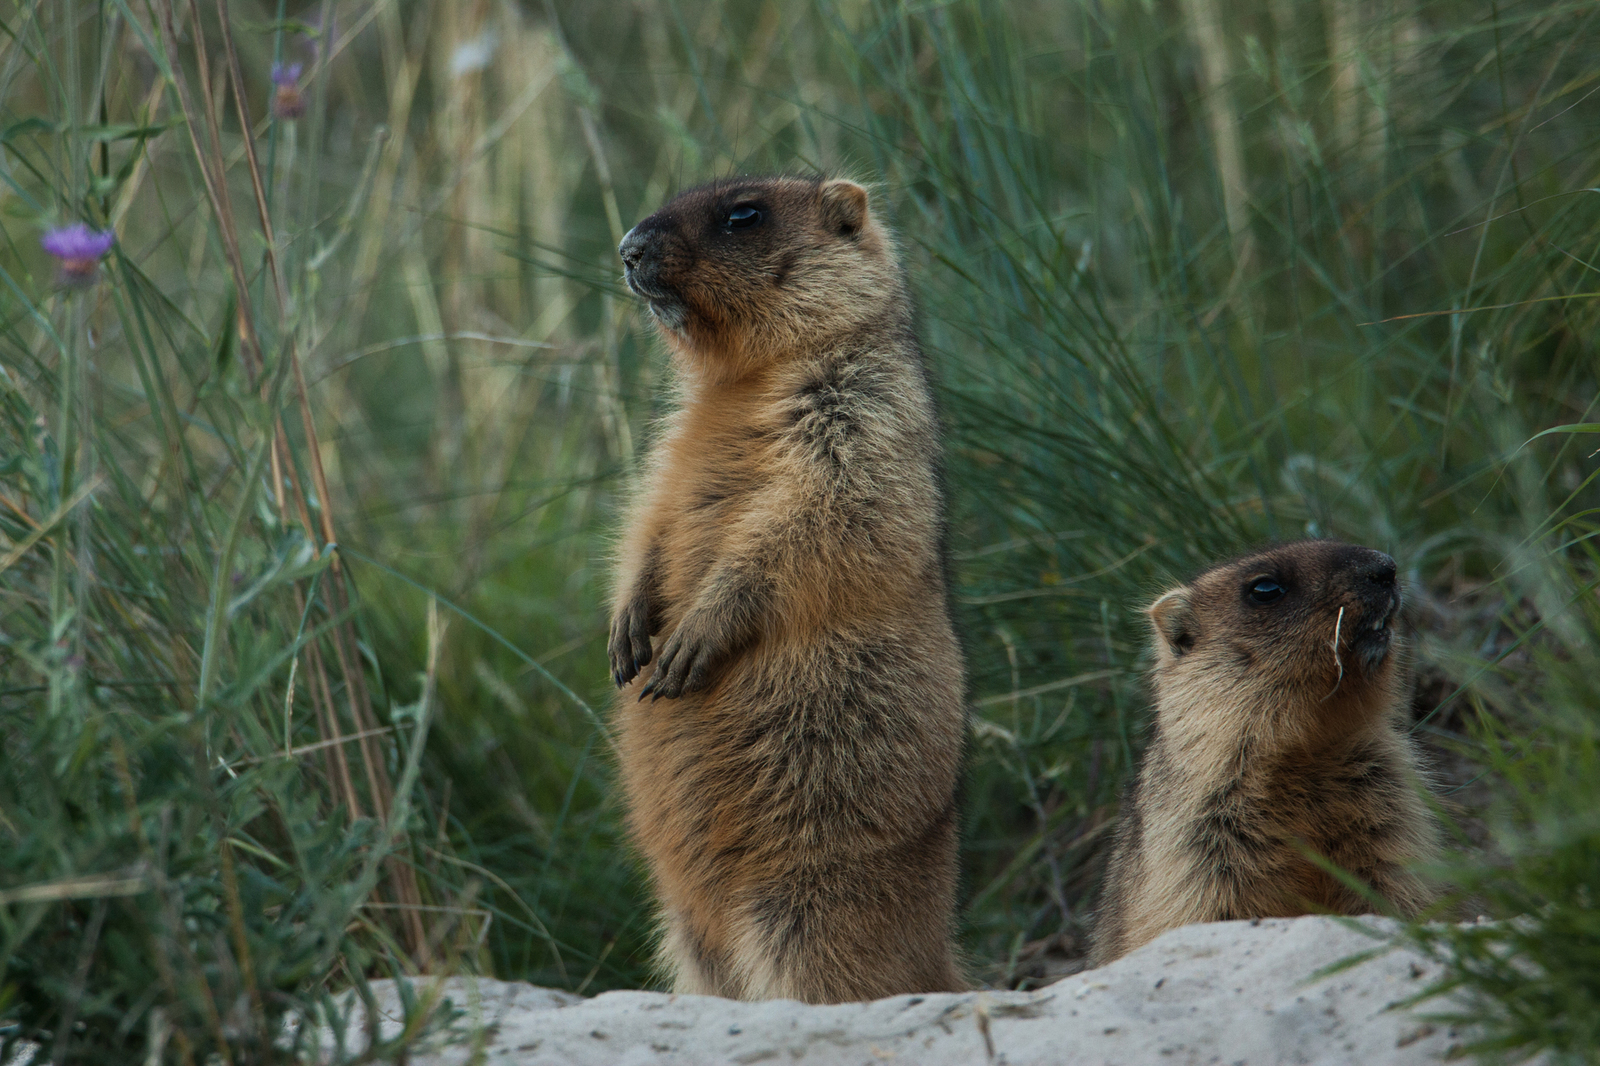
741, 273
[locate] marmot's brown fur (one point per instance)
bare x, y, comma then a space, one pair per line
1280, 728
791, 751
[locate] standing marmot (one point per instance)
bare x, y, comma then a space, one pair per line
1279, 726
791, 751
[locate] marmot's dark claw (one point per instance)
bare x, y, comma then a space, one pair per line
680, 669
656, 686
622, 669
629, 644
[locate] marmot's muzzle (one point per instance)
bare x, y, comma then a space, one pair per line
643, 252
1372, 580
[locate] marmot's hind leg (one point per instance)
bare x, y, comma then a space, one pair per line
693, 968
820, 950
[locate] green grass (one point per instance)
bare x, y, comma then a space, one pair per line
1187, 285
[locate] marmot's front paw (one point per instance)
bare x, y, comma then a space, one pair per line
629, 647
685, 665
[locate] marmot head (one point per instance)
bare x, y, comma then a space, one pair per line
1289, 626
742, 272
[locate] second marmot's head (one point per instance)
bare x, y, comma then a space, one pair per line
1287, 627
741, 272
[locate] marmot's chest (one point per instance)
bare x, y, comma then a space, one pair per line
709, 492
1274, 800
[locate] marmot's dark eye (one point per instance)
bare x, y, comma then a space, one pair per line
740, 217
1265, 590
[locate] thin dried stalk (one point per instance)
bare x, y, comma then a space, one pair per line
213, 167
215, 184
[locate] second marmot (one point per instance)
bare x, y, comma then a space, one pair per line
1279, 729
790, 749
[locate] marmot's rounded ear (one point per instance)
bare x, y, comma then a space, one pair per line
1174, 620
844, 206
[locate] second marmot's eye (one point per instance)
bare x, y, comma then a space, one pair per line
740, 217
1266, 590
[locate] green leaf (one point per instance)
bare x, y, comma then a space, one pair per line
1575, 427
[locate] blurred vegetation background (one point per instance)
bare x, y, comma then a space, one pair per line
1192, 276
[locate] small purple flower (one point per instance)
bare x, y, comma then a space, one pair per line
287, 101
79, 249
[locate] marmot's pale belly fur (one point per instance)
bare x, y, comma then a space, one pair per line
791, 739
1279, 733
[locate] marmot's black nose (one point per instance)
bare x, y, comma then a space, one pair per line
643, 244
1374, 582
1380, 571
632, 248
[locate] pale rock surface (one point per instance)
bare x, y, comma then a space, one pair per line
1225, 993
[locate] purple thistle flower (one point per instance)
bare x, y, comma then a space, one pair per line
78, 248
287, 101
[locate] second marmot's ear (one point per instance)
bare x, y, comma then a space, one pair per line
1174, 620
844, 206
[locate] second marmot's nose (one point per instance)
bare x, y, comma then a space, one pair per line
1380, 570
